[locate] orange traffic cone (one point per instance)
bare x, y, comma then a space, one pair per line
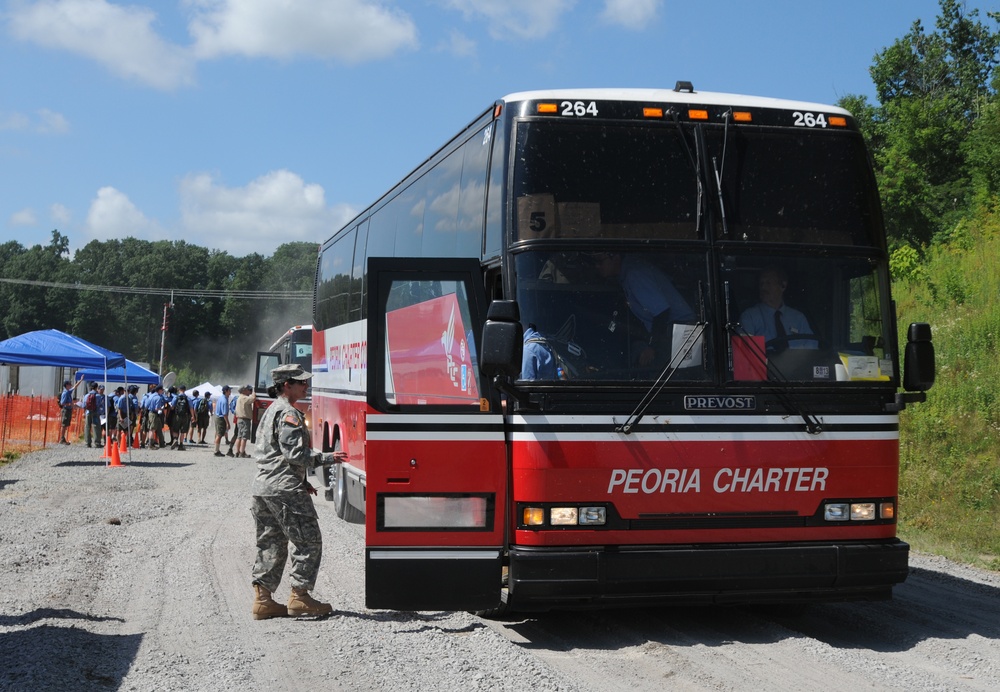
123, 445
116, 459
136, 444
107, 448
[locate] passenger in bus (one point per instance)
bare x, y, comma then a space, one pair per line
537, 360
282, 509
771, 318
652, 298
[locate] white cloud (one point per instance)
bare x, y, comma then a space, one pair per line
60, 214
113, 215
24, 217
276, 208
631, 14
518, 18
119, 37
44, 122
459, 45
352, 31
50, 122
14, 121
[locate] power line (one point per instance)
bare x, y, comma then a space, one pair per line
175, 292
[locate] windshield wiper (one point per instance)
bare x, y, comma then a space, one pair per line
672, 367
813, 425
695, 160
719, 170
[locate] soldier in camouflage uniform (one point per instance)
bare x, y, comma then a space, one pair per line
282, 509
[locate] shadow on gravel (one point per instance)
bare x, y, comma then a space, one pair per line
928, 605
65, 658
4, 484
138, 464
52, 614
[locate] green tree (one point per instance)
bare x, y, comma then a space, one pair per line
29, 308
932, 88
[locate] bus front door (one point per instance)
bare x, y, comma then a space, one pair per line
436, 482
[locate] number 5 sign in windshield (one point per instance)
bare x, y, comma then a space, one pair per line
430, 358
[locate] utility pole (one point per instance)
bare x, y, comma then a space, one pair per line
163, 331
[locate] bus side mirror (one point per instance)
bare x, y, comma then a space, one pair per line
918, 362
503, 340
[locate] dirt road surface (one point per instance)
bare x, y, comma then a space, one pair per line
137, 578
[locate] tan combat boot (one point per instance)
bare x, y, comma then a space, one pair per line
264, 606
301, 603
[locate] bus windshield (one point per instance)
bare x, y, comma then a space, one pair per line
640, 181
621, 315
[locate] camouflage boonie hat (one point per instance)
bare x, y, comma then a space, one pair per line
289, 371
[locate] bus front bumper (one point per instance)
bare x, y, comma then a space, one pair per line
542, 578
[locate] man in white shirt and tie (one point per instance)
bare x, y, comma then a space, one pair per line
772, 319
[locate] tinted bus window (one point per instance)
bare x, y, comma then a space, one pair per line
334, 290
358, 275
612, 181
495, 199
798, 187
442, 185
829, 311
601, 312
475, 156
410, 206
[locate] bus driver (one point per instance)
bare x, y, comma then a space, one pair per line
774, 320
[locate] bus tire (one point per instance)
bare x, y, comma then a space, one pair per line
501, 612
345, 510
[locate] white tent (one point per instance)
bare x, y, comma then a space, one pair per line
216, 389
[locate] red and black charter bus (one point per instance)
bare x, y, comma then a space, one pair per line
677, 444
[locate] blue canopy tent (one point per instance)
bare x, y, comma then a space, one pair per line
51, 347
132, 372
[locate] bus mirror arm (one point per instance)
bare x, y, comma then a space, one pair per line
505, 386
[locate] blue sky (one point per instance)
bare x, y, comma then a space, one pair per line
239, 125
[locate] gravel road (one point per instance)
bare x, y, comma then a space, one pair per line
137, 578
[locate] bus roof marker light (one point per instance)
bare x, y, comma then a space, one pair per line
652, 112
742, 116
697, 114
837, 121
548, 108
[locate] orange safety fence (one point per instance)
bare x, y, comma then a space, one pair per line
33, 422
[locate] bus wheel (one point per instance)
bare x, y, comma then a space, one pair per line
345, 510
501, 612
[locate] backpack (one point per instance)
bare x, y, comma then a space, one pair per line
91, 403
202, 406
183, 405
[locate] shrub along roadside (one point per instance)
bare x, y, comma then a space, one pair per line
950, 445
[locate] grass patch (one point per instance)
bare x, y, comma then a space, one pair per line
950, 445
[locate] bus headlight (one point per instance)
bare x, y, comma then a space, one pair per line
593, 516
563, 516
863, 511
859, 511
837, 511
